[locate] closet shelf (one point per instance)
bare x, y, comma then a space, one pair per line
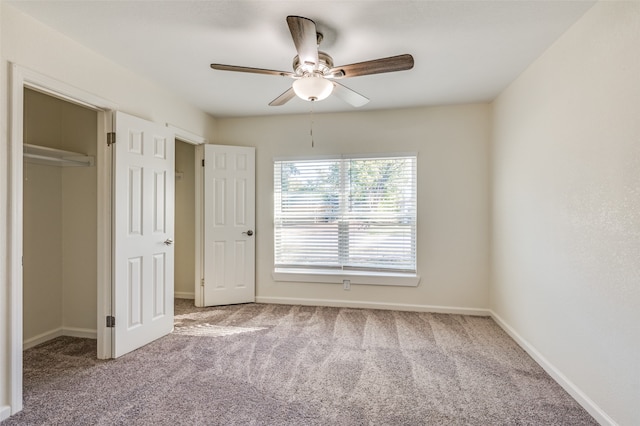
56, 157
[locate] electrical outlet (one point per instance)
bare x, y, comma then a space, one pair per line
346, 284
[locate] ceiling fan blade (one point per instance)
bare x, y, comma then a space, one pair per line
223, 67
348, 95
303, 32
284, 98
376, 66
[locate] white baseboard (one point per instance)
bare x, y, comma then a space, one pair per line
41, 338
85, 333
184, 295
374, 305
5, 412
582, 399
57, 332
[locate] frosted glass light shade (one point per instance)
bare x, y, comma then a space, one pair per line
312, 88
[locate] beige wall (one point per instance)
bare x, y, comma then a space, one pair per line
60, 221
453, 196
79, 241
185, 221
42, 277
566, 170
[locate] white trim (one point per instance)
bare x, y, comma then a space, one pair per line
20, 78
374, 305
184, 295
575, 392
14, 237
104, 163
84, 333
57, 332
41, 338
5, 412
186, 136
61, 90
338, 277
198, 288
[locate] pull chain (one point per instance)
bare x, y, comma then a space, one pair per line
311, 125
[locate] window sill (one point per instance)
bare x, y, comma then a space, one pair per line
355, 277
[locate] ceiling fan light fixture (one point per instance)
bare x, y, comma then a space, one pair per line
313, 69
312, 88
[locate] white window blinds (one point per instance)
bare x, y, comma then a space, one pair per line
346, 213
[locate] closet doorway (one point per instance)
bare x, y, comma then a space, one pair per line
60, 218
23, 82
185, 220
60, 222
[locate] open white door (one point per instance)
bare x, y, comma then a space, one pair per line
143, 254
229, 225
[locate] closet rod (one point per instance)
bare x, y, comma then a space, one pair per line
56, 157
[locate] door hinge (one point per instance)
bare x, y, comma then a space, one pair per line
203, 162
202, 282
111, 321
111, 138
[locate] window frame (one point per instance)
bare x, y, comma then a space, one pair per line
353, 276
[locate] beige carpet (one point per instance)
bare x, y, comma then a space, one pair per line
260, 364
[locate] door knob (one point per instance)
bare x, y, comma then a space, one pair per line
249, 232
168, 242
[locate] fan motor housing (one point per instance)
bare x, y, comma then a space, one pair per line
325, 63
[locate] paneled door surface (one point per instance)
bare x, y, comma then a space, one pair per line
143, 225
229, 225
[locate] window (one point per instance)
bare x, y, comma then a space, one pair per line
346, 214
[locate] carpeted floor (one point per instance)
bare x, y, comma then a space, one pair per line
259, 364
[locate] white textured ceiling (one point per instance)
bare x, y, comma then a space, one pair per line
464, 51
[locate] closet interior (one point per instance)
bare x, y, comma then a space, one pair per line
59, 219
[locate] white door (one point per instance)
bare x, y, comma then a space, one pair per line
229, 225
143, 253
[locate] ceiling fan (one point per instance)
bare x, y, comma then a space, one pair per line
314, 72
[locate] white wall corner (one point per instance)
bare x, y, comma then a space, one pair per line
575, 392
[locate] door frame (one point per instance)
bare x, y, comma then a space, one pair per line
21, 78
198, 142
198, 286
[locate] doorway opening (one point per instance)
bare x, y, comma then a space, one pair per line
59, 219
21, 79
185, 220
